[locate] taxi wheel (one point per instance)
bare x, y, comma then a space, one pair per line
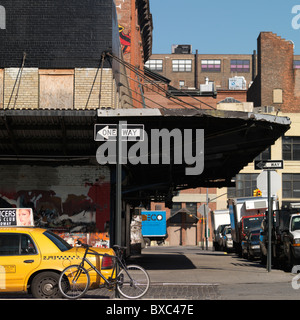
45, 285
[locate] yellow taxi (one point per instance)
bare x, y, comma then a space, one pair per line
31, 260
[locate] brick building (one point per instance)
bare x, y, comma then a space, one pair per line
53, 78
277, 81
276, 90
272, 85
188, 72
135, 29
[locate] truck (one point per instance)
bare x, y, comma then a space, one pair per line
219, 220
154, 226
285, 237
246, 214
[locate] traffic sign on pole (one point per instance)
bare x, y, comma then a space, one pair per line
268, 164
269, 182
109, 132
262, 182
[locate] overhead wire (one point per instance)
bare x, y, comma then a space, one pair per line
166, 92
18, 80
168, 95
144, 85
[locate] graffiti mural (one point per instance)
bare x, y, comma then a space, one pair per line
125, 40
76, 208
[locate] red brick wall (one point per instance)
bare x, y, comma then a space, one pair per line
275, 71
131, 43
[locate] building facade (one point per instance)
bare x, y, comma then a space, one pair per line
189, 70
189, 73
276, 90
53, 78
271, 86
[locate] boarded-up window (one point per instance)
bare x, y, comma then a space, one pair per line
56, 89
277, 96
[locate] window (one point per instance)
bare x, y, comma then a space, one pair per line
244, 185
192, 207
175, 218
291, 148
296, 64
181, 83
240, 65
58, 241
154, 64
182, 65
56, 89
277, 96
291, 185
13, 244
211, 65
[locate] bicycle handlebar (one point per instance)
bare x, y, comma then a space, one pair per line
83, 244
86, 246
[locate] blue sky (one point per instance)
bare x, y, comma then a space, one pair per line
219, 26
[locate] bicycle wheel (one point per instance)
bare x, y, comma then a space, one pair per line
133, 282
73, 282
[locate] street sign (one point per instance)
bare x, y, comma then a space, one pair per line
268, 164
109, 132
203, 209
262, 183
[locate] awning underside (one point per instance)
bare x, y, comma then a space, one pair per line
231, 140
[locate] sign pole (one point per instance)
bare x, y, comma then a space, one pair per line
270, 224
118, 226
270, 166
118, 212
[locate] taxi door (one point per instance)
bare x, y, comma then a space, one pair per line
18, 258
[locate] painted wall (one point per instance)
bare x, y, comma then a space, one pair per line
67, 199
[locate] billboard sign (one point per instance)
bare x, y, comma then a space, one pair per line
18, 217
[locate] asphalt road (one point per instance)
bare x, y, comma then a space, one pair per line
190, 273
215, 275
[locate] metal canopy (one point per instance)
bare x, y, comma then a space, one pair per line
46, 134
231, 140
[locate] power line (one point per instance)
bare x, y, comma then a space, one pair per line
167, 93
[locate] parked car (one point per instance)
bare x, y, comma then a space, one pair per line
219, 237
31, 260
253, 244
227, 243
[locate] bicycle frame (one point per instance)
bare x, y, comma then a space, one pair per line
118, 262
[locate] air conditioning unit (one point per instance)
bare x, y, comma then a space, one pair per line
264, 109
209, 86
182, 48
237, 83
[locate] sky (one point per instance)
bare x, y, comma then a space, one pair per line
220, 26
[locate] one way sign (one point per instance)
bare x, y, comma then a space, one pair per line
268, 164
109, 132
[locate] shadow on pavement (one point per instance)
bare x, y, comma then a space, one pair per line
162, 261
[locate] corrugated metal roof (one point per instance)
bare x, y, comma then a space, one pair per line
231, 140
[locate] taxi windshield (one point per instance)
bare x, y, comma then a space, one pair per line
58, 241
